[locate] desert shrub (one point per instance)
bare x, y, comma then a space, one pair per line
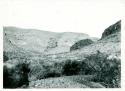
112, 72
86, 69
35, 72
44, 70
15, 76
49, 71
71, 67
107, 70
5, 56
53, 70
96, 61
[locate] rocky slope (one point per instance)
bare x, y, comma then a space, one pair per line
55, 48
112, 29
110, 45
32, 40
80, 44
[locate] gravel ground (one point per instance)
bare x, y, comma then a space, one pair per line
65, 82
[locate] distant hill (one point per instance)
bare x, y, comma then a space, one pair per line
110, 45
32, 40
27, 39
64, 41
59, 44
110, 34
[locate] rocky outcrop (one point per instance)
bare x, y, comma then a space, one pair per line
112, 29
81, 44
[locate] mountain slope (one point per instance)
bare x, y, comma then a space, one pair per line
53, 52
29, 40
40, 41
110, 45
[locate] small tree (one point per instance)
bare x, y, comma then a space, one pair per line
52, 43
15, 76
107, 70
71, 67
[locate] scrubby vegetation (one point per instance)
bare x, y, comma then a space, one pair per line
103, 68
74, 67
43, 70
93, 65
57, 69
15, 75
107, 71
5, 56
48, 71
71, 67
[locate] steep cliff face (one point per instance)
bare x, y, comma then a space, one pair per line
112, 29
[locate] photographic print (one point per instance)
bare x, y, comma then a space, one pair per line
61, 44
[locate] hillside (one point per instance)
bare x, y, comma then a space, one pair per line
95, 64
110, 45
112, 29
32, 40
29, 40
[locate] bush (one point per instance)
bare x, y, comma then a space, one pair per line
5, 57
71, 67
15, 76
45, 70
54, 70
75, 67
51, 74
108, 71
111, 73
50, 71
86, 69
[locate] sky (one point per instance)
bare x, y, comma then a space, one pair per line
90, 17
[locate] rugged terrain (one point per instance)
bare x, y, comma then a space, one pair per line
44, 50
40, 41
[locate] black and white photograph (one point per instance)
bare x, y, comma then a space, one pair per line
61, 44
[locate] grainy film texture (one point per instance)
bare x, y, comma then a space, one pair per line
43, 59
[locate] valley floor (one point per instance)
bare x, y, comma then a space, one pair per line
77, 81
